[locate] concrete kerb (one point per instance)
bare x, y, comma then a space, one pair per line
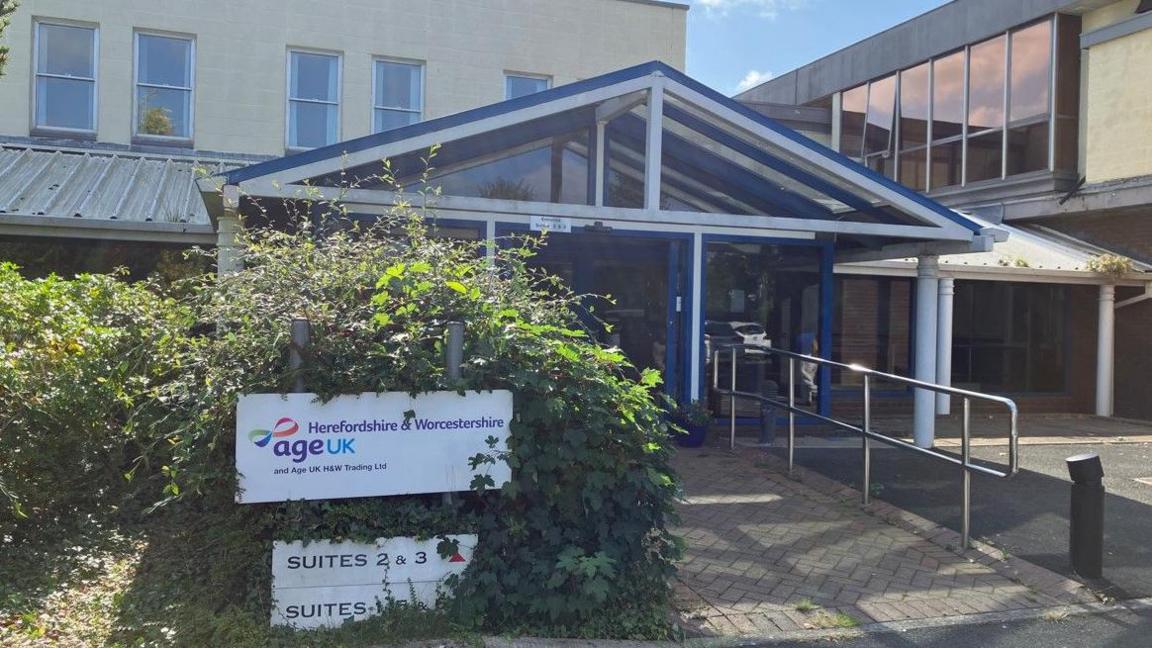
1055, 613
1015, 569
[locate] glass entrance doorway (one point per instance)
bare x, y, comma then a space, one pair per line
636, 287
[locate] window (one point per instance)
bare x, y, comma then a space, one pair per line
853, 106
398, 94
914, 89
164, 86
947, 120
313, 99
1030, 96
519, 85
65, 95
986, 74
1009, 337
880, 126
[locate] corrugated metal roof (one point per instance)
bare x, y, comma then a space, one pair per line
101, 185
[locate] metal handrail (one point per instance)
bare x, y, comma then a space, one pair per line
865, 429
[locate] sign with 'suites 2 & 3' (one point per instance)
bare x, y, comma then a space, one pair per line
293, 447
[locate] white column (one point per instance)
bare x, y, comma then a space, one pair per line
601, 170
228, 259
944, 344
927, 294
1105, 350
696, 339
654, 147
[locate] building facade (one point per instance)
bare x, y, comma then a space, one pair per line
1034, 116
109, 109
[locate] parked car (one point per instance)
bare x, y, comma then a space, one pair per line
718, 333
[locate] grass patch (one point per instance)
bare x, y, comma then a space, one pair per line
833, 620
806, 605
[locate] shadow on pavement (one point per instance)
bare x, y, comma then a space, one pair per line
1026, 515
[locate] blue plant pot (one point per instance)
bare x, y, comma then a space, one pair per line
695, 437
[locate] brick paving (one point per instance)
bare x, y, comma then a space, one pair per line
760, 545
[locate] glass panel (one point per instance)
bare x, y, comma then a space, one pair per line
551, 173
946, 160
314, 76
1028, 148
985, 156
948, 96
519, 86
162, 111
64, 103
66, 50
1031, 63
986, 85
311, 125
914, 169
878, 132
763, 295
882, 163
853, 106
165, 61
914, 107
398, 85
1009, 337
388, 119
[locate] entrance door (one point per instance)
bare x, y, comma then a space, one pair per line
635, 289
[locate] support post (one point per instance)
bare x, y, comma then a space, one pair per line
453, 358
695, 342
654, 145
1105, 351
601, 168
227, 226
944, 344
927, 294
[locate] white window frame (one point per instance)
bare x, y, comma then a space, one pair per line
547, 79
36, 74
136, 84
423, 78
288, 94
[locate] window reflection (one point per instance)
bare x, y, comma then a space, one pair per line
853, 105
948, 96
986, 86
1031, 64
914, 103
985, 156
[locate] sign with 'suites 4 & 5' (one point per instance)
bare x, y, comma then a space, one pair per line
293, 447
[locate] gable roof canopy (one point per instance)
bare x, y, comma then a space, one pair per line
645, 144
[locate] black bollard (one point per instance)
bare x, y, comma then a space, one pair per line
1086, 532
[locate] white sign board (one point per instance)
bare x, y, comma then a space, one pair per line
325, 583
551, 224
292, 447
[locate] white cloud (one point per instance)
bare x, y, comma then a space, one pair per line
764, 8
752, 79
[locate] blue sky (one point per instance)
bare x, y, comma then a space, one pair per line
730, 41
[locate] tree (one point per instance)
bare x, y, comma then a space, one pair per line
7, 8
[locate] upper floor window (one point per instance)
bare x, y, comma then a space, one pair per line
65, 95
398, 94
519, 85
984, 112
164, 70
313, 99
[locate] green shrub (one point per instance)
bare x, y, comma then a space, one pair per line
575, 544
76, 357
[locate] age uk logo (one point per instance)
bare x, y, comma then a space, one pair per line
285, 427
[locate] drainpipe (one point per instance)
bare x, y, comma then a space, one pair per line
227, 226
944, 344
927, 296
1105, 350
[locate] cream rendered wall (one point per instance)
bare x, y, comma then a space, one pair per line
241, 54
1118, 89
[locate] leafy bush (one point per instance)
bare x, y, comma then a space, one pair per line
575, 544
77, 357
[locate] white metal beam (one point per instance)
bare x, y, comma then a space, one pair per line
654, 145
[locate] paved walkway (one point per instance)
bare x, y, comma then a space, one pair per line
768, 554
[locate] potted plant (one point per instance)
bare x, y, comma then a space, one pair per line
695, 418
